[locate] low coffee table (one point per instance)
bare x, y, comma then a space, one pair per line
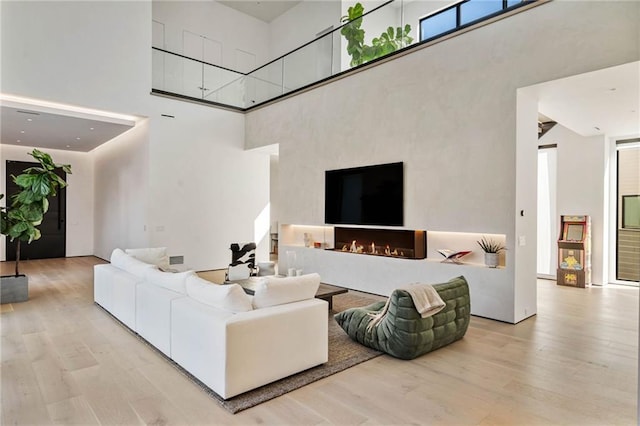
325, 291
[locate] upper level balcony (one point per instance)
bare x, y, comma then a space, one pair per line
362, 38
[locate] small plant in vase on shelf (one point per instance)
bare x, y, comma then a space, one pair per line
492, 251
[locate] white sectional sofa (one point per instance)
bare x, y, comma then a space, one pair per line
228, 340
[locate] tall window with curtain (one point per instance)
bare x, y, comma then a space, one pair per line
547, 213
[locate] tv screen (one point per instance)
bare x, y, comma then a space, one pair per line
371, 195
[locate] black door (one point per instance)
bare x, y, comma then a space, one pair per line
53, 228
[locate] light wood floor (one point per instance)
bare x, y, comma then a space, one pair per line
65, 361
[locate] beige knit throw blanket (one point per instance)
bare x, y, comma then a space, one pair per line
425, 298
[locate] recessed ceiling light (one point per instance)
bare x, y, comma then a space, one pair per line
18, 140
91, 128
21, 131
68, 146
29, 119
77, 139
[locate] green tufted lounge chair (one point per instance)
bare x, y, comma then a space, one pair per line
402, 332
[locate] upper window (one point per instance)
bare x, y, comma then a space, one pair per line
473, 10
438, 24
463, 13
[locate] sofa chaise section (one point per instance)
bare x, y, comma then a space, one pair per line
153, 315
234, 353
115, 290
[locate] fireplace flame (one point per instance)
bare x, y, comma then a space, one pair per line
371, 249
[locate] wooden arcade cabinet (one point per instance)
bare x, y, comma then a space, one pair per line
574, 251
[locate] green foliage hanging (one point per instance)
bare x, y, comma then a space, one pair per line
388, 42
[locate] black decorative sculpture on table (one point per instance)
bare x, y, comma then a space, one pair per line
243, 261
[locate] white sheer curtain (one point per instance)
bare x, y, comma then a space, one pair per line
547, 214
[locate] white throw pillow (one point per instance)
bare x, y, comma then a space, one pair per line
155, 256
172, 281
130, 264
228, 297
118, 258
238, 272
273, 291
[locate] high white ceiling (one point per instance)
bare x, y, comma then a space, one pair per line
265, 10
596, 103
58, 127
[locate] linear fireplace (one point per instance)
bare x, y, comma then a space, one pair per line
406, 244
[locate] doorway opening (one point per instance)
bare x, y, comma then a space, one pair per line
52, 243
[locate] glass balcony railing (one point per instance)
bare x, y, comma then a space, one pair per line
363, 37
190, 78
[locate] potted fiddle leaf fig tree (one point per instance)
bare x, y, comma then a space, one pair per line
20, 218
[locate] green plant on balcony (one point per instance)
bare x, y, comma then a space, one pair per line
388, 42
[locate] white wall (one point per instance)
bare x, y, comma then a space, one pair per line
526, 214
79, 221
449, 112
98, 55
121, 187
207, 192
301, 24
581, 189
234, 30
94, 54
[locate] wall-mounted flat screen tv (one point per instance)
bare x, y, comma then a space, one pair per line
371, 195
